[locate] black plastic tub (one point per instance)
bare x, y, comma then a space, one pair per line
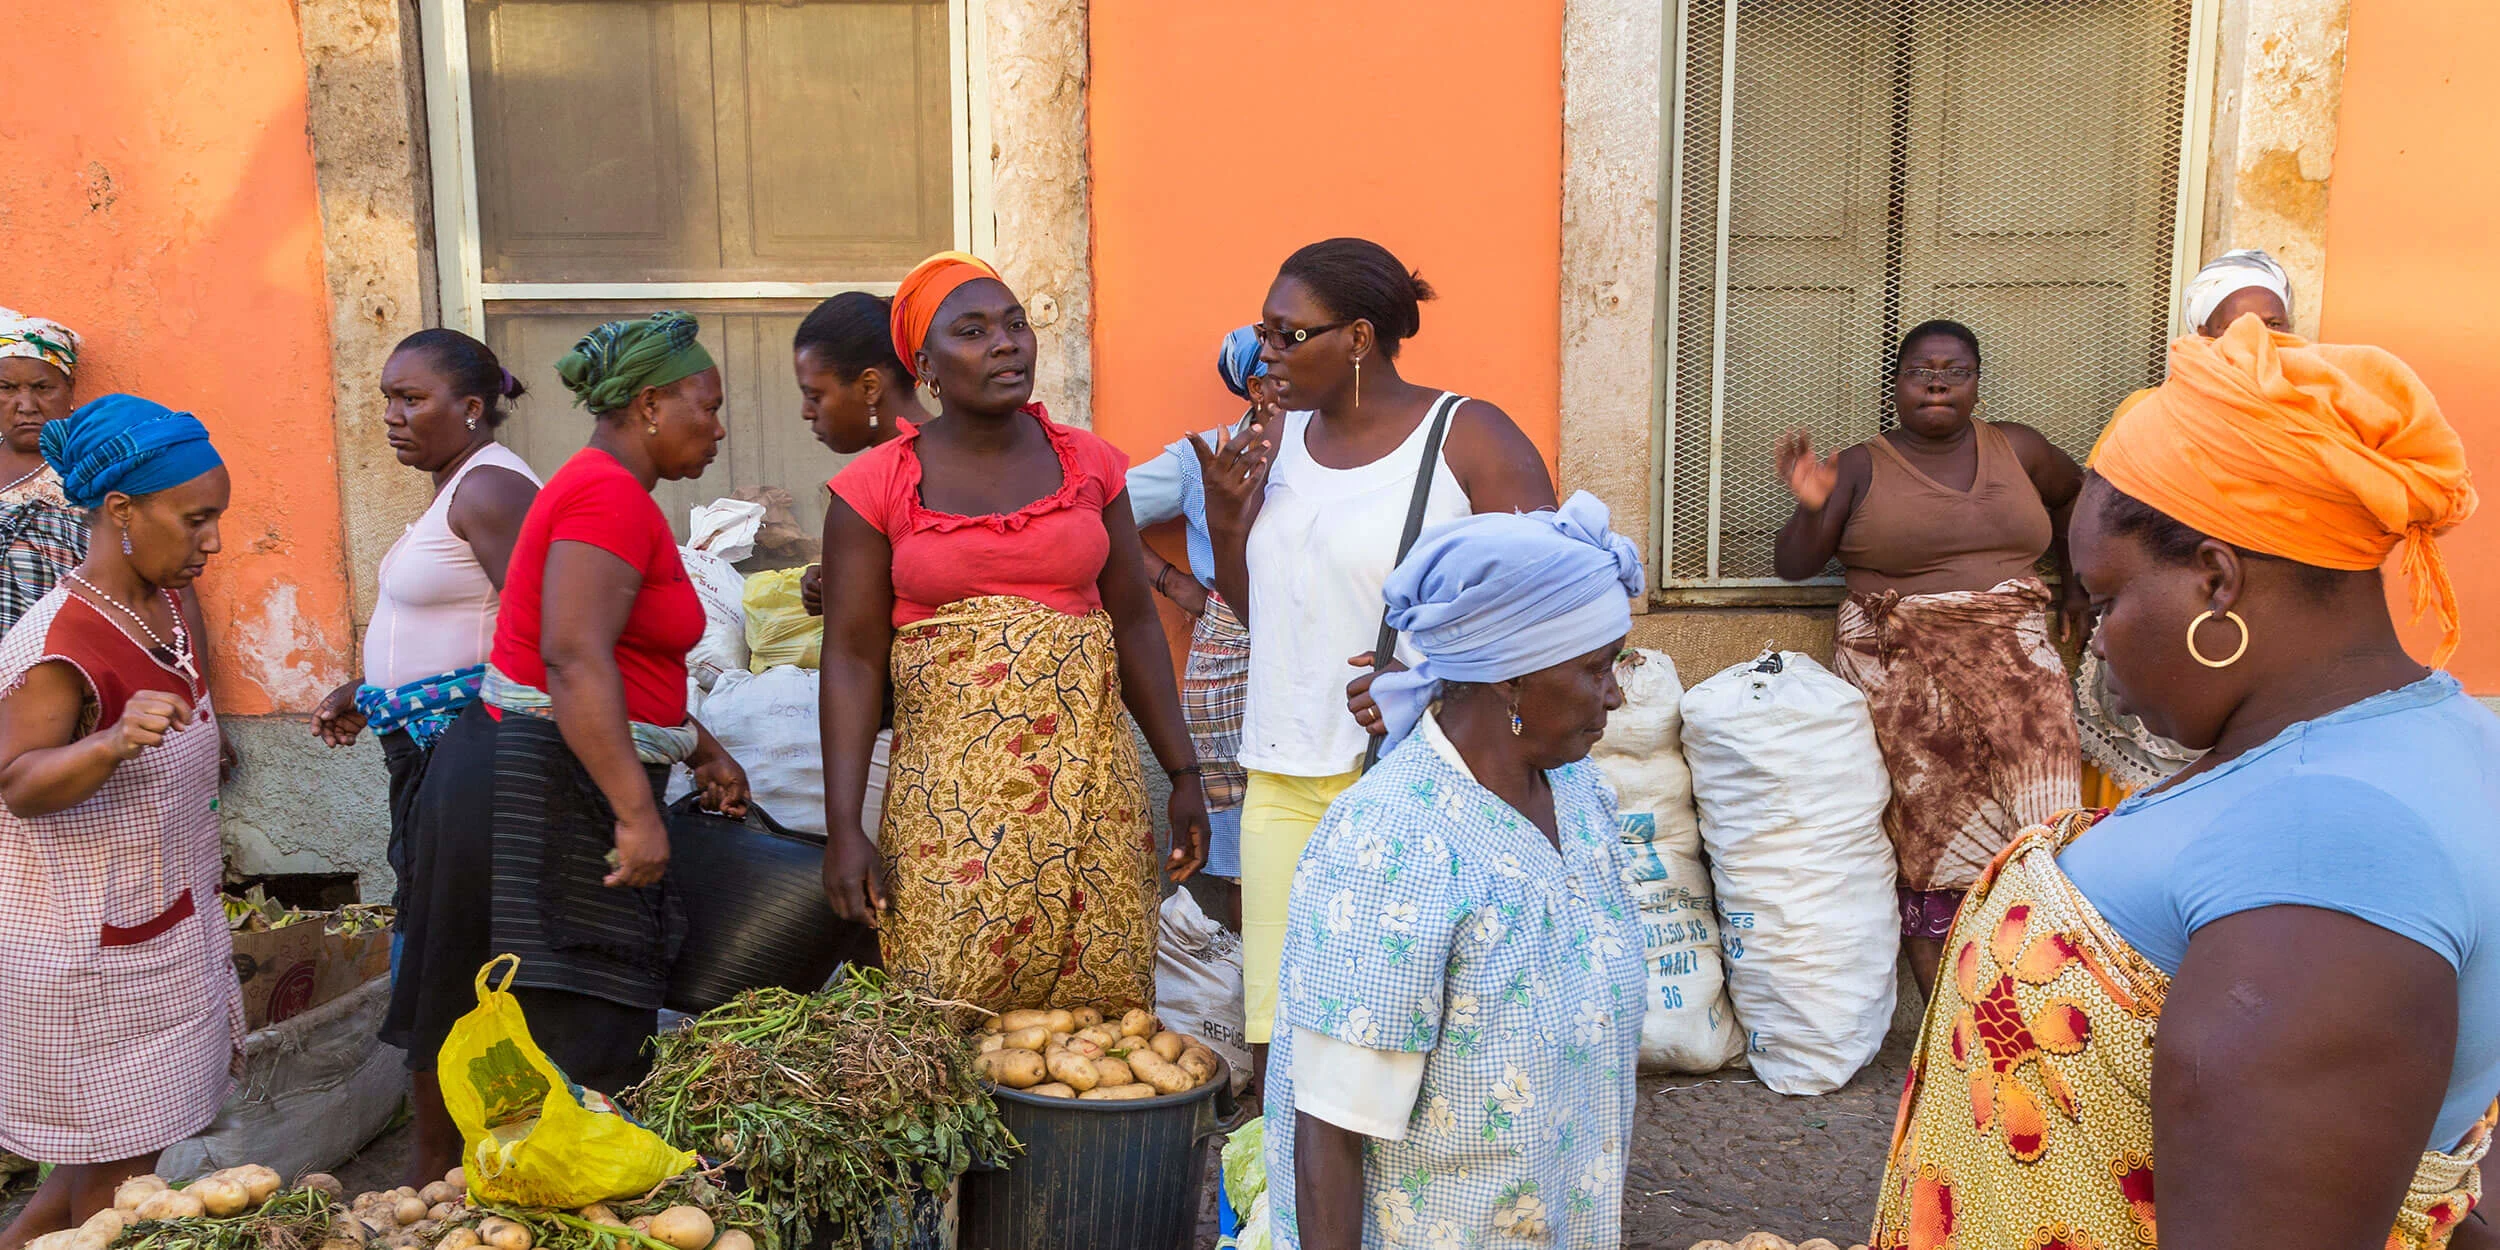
756, 913
1095, 1175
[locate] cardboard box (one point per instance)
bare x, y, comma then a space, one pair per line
291, 970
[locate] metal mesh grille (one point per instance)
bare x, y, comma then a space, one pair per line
1841, 170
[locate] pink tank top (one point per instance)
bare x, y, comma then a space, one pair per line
435, 612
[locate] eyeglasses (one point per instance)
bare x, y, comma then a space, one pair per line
1954, 374
1285, 340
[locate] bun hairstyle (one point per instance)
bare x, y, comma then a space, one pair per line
853, 333
470, 367
1358, 280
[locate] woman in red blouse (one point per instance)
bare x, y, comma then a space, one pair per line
549, 786
987, 560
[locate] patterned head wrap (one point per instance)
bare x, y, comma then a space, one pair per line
1237, 360
2331, 456
924, 288
1503, 595
613, 363
38, 339
125, 444
2228, 274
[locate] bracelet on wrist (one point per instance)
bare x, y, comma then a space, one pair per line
1194, 770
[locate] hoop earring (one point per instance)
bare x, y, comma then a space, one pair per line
1515, 726
1358, 402
2227, 661
933, 386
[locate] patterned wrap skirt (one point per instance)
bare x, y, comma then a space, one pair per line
1019, 861
1974, 717
2028, 1117
1215, 689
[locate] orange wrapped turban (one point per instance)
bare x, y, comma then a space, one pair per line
2327, 455
924, 288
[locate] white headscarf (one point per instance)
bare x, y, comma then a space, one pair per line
2230, 272
38, 338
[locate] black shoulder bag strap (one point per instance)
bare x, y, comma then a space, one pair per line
1385, 649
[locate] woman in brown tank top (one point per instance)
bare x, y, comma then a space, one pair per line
1939, 524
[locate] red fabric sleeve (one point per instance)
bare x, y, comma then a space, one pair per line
611, 512
867, 484
1103, 463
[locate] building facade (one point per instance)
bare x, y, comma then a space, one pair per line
1663, 231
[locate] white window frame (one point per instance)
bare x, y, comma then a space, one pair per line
452, 130
2186, 251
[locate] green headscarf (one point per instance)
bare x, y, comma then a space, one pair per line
613, 363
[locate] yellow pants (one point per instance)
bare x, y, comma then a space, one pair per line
1277, 816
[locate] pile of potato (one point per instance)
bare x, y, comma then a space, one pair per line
219, 1195
1079, 1053
1769, 1241
439, 1217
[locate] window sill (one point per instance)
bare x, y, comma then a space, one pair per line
1807, 595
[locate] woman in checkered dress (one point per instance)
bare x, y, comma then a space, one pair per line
123, 1018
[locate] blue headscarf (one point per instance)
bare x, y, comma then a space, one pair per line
1237, 361
1503, 595
127, 444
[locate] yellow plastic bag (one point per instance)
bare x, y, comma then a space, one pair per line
532, 1137
779, 630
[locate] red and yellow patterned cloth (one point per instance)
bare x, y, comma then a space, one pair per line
1016, 846
2027, 1123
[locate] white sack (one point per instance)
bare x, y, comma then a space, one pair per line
1792, 790
767, 722
725, 527
1687, 1025
1198, 983
316, 1088
723, 648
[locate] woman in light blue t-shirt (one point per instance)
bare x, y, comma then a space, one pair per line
2258, 997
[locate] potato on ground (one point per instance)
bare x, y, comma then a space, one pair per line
687, 1228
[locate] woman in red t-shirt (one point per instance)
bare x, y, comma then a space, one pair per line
988, 561
549, 787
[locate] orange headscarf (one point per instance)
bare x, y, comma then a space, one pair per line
924, 288
2326, 455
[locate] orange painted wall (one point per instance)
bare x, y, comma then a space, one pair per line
157, 196
1224, 138
2411, 261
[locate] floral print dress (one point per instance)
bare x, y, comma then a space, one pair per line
1429, 917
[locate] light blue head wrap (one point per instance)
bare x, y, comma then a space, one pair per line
127, 444
1237, 361
1503, 595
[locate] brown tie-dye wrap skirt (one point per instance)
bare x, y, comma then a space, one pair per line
1975, 718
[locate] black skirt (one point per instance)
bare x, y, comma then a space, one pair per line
507, 853
406, 762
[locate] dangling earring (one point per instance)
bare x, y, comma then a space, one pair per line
472, 423
872, 414
2193, 653
125, 542
933, 386
1515, 726
1358, 402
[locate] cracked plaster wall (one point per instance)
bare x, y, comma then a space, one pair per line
2278, 89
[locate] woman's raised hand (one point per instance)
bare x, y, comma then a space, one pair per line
1809, 477
1235, 474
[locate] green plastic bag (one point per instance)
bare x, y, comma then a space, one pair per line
779, 630
532, 1138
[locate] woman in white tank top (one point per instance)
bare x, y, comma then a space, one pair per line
434, 619
1306, 519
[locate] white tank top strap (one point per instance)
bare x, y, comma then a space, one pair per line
435, 612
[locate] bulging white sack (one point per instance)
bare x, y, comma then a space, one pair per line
1686, 1025
767, 722
1791, 792
723, 647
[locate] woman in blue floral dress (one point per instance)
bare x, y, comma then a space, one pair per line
1462, 972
